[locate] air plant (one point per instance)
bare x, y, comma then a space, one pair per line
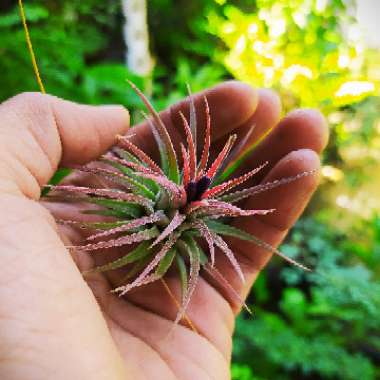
166, 212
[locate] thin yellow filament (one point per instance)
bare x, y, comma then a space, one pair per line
42, 89
30, 47
172, 296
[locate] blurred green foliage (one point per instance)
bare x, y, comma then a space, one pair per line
319, 325
297, 47
322, 324
74, 47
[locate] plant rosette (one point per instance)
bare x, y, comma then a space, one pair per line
167, 216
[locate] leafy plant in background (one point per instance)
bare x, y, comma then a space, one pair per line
75, 49
319, 325
299, 47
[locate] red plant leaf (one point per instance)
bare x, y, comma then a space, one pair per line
191, 147
230, 255
195, 205
186, 167
161, 129
193, 118
159, 215
193, 280
177, 192
129, 164
143, 275
269, 248
207, 235
226, 186
243, 194
207, 143
216, 275
217, 208
221, 156
236, 152
108, 193
174, 223
124, 240
142, 156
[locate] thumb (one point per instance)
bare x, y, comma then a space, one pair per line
38, 132
49, 317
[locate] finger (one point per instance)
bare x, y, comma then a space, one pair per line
289, 202
79, 178
39, 279
231, 104
301, 129
265, 117
40, 131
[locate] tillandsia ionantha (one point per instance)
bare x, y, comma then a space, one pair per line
172, 216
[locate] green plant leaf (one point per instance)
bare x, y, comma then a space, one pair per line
182, 270
166, 262
225, 229
194, 247
130, 209
140, 252
146, 183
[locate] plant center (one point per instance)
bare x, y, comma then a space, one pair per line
195, 189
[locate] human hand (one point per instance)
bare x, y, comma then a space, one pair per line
50, 323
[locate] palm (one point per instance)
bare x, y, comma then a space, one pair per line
141, 324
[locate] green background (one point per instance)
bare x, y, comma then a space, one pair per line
319, 325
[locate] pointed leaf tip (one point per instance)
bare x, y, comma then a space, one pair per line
211, 173
207, 141
193, 118
163, 133
191, 147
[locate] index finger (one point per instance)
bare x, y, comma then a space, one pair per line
231, 104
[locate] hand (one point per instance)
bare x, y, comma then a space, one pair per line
55, 325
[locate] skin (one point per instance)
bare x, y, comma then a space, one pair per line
55, 324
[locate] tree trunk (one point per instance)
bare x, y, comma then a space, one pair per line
136, 37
